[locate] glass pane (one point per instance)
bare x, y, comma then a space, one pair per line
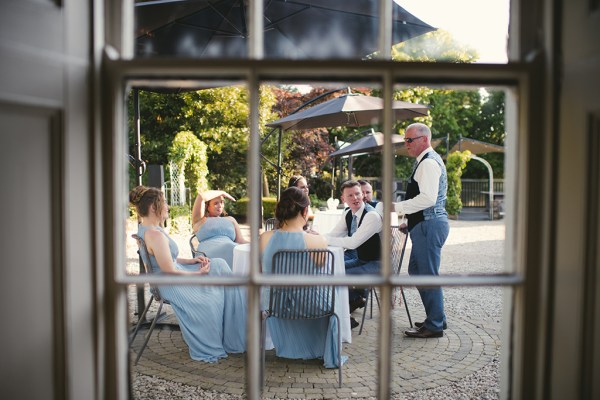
467, 31
323, 29
422, 31
193, 139
465, 362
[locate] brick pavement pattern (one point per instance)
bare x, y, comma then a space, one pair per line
467, 346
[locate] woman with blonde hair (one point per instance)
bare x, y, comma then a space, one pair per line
212, 319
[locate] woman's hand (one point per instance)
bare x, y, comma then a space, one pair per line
201, 259
204, 267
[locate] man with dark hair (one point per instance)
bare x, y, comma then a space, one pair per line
358, 232
427, 223
367, 191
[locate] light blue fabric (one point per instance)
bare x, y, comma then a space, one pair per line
427, 238
217, 239
212, 319
299, 339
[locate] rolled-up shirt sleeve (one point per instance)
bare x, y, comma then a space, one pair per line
370, 225
427, 176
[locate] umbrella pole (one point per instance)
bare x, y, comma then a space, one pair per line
279, 164
350, 167
333, 177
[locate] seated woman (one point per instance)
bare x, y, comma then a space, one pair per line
300, 182
217, 235
304, 339
212, 319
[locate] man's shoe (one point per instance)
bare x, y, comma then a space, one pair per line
423, 333
357, 303
353, 323
420, 324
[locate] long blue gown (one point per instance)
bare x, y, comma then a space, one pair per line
212, 318
217, 239
299, 339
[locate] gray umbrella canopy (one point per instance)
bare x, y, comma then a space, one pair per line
476, 146
293, 29
372, 143
348, 110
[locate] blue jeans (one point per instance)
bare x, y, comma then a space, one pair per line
427, 239
359, 267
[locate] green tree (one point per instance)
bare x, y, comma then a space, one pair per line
189, 153
218, 117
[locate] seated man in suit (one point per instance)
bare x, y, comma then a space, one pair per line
358, 232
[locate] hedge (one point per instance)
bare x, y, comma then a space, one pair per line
239, 208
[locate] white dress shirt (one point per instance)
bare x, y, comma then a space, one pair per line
371, 224
427, 176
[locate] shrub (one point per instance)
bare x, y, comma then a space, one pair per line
455, 164
240, 207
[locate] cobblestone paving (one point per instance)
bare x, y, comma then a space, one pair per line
417, 364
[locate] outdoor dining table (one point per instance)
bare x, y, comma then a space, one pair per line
325, 221
241, 266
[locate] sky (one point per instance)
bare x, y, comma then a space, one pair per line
482, 24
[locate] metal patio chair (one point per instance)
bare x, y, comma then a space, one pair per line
270, 224
399, 240
154, 296
302, 302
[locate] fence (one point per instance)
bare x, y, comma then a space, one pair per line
475, 191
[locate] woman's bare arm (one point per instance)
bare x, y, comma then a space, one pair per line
158, 245
239, 236
197, 210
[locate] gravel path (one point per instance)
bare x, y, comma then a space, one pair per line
472, 247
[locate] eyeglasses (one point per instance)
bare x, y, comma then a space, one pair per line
410, 140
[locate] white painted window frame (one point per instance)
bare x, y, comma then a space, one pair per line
119, 69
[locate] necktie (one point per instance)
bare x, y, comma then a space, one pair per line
353, 225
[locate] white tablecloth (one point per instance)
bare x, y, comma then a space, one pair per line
325, 221
241, 266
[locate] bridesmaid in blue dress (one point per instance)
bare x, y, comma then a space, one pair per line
217, 235
297, 339
212, 318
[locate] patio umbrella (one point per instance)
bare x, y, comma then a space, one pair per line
350, 109
293, 29
372, 143
476, 146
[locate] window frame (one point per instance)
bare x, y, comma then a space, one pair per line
119, 69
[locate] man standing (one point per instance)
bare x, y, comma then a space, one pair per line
427, 223
367, 191
358, 232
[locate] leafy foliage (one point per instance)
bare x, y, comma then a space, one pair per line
455, 164
218, 117
190, 153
